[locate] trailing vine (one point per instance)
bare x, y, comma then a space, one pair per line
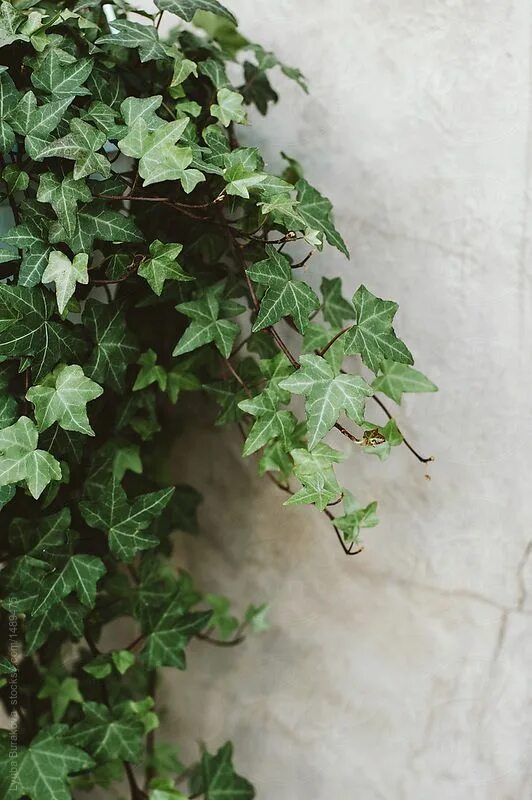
151, 254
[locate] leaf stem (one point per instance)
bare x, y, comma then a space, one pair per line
333, 340
414, 452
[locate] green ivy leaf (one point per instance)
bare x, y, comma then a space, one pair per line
17, 179
355, 518
62, 397
20, 460
159, 157
164, 789
336, 310
61, 76
30, 331
216, 779
97, 221
314, 470
64, 195
187, 8
36, 123
284, 295
134, 109
206, 324
397, 379
327, 395
107, 734
42, 769
240, 180
66, 274
150, 372
10, 22
61, 693
271, 423
373, 335
125, 33
229, 108
32, 238
316, 211
169, 629
114, 344
125, 523
81, 145
43, 540
163, 265
9, 96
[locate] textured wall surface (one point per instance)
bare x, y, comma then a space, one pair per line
404, 673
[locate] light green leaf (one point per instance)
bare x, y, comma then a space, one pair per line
164, 789
20, 460
373, 335
206, 324
66, 275
229, 108
327, 395
136, 108
187, 8
123, 660
271, 422
36, 123
183, 68
81, 145
355, 518
316, 211
285, 295
314, 469
159, 157
240, 180
64, 195
62, 397
163, 265
396, 379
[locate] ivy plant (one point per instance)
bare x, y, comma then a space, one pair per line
152, 254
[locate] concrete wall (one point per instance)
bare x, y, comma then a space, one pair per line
404, 673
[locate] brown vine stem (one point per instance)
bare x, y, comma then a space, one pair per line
405, 441
330, 516
221, 642
237, 377
333, 340
124, 277
304, 261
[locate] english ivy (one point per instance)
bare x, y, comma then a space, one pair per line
151, 255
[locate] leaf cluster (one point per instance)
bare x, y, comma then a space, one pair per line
150, 256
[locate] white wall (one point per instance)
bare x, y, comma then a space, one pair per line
403, 673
